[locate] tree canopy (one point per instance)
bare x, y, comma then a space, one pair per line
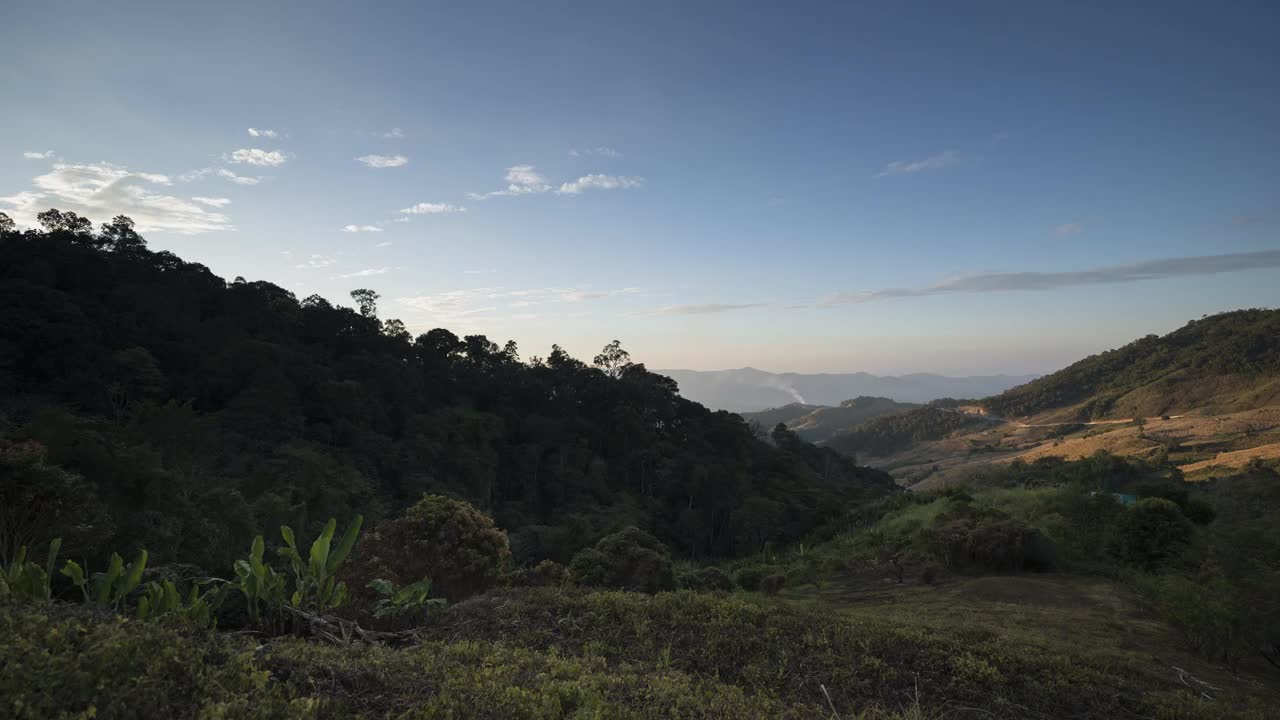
200, 411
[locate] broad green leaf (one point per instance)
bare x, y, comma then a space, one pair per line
73, 570
53, 556
382, 587
348, 541
108, 579
320, 549
133, 576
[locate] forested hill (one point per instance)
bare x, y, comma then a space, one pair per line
1229, 361
164, 407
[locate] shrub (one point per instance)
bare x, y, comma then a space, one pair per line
991, 544
708, 579
631, 559
749, 577
65, 661
771, 584
449, 541
1150, 534
547, 573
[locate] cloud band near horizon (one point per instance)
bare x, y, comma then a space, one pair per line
1038, 281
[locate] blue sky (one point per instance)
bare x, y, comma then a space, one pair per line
891, 187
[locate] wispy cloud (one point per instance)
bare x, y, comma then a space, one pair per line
384, 244
256, 156
366, 273
383, 161
221, 173
521, 180
46, 155
705, 308
212, 201
599, 182
1067, 229
101, 191
454, 304
254, 132
595, 151
903, 167
425, 208
1248, 220
317, 261
361, 228
393, 134
1135, 272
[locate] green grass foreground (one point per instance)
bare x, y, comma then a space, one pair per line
549, 653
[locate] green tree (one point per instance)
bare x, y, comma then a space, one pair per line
449, 541
1151, 533
367, 301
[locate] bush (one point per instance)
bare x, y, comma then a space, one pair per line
991, 544
771, 584
750, 577
64, 661
709, 579
631, 559
1150, 534
449, 541
547, 573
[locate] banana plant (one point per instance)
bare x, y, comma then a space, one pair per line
262, 586
23, 578
409, 597
162, 598
110, 588
315, 582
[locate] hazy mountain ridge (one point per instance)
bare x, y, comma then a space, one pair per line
817, 423
752, 390
1220, 363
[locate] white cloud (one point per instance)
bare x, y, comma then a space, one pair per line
394, 134
1135, 272
47, 154
366, 273
219, 172
1067, 229
941, 160
256, 156
597, 151
383, 161
599, 182
212, 201
317, 261
425, 208
102, 191
383, 244
521, 180
361, 228
263, 133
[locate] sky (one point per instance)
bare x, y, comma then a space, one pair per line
964, 188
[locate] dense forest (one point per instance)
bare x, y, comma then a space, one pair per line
184, 413
1243, 342
888, 434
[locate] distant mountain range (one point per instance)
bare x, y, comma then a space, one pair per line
749, 389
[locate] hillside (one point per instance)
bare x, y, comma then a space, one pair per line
816, 423
752, 390
184, 409
889, 434
1218, 364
